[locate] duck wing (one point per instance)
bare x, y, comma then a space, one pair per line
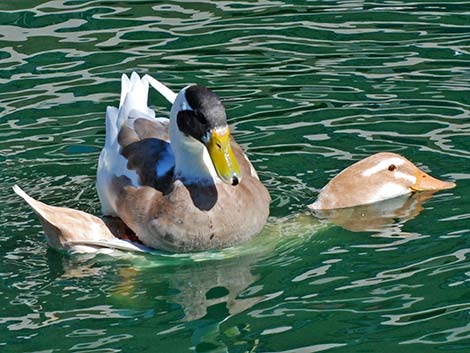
148, 152
136, 147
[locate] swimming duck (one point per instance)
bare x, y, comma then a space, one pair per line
382, 176
76, 231
183, 183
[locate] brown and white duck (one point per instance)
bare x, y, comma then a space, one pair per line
382, 176
181, 184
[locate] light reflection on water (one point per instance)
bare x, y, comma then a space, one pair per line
310, 87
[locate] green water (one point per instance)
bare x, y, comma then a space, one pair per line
309, 87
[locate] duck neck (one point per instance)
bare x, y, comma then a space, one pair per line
193, 164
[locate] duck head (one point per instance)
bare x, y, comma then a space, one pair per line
200, 138
379, 177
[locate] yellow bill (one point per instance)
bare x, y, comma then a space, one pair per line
222, 156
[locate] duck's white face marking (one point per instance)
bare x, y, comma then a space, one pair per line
388, 191
192, 160
382, 166
400, 175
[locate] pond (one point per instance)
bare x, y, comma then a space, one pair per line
309, 88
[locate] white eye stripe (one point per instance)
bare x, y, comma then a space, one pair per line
382, 165
400, 175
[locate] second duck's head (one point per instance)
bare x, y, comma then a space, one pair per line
200, 137
382, 176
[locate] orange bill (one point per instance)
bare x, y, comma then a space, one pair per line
426, 182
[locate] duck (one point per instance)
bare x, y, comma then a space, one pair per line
182, 183
75, 231
379, 177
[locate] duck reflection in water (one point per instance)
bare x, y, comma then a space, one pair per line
378, 216
376, 193
208, 284
197, 282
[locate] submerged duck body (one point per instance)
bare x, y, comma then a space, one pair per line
181, 184
382, 176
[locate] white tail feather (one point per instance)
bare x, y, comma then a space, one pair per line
169, 95
117, 244
125, 87
134, 96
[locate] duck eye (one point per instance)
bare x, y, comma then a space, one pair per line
392, 167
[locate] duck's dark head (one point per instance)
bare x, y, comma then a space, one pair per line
200, 115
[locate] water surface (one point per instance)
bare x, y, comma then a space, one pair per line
309, 87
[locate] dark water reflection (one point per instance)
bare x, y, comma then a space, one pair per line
309, 87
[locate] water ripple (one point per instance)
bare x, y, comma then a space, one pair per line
38, 320
309, 87
440, 263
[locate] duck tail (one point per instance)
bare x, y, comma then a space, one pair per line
69, 229
37, 206
52, 232
134, 96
